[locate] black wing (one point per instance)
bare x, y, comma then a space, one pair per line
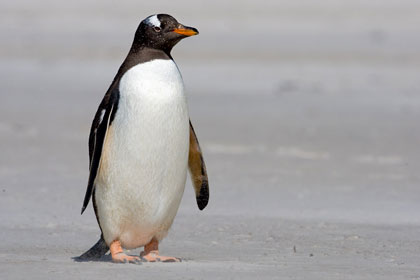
103, 119
198, 171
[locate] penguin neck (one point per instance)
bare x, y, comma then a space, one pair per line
142, 54
141, 49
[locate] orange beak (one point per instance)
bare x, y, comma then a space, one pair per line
187, 31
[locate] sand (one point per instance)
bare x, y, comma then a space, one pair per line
307, 113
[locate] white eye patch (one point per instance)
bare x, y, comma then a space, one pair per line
153, 20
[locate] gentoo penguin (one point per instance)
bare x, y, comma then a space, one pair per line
141, 145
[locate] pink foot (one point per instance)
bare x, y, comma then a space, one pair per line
151, 253
118, 255
153, 256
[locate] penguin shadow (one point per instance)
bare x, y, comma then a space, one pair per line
105, 258
108, 259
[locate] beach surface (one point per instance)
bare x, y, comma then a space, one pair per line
307, 113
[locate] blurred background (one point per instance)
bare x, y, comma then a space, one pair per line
307, 113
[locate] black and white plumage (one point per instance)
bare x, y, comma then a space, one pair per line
141, 143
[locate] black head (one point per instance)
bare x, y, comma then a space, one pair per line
161, 32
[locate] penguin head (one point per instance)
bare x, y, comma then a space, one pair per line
161, 32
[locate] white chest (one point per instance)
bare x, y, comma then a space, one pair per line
144, 160
152, 116
155, 83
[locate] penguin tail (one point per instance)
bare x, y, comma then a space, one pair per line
95, 253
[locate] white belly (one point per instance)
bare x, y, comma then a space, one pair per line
143, 167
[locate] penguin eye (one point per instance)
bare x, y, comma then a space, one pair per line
157, 29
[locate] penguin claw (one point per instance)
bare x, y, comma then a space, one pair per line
136, 261
123, 258
147, 260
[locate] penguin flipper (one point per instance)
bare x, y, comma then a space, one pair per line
198, 171
100, 125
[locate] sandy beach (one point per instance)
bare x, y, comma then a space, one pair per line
307, 113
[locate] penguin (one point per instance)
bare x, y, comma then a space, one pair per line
141, 145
